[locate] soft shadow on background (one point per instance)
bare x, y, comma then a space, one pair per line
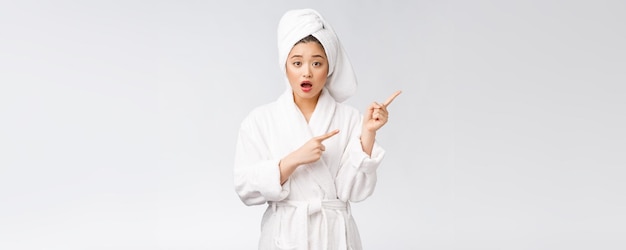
118, 121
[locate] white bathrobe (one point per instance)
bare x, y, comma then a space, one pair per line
311, 210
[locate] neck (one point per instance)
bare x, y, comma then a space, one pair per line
306, 106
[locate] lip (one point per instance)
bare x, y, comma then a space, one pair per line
306, 86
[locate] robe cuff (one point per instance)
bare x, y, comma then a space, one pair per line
267, 176
365, 163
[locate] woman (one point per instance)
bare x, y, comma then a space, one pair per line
308, 155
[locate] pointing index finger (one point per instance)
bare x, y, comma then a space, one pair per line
390, 99
327, 135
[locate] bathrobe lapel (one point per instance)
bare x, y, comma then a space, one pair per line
301, 132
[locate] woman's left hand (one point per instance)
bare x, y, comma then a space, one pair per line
376, 115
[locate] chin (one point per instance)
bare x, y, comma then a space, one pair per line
310, 94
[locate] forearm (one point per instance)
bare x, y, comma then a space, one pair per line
367, 141
286, 166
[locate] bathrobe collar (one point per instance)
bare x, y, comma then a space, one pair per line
322, 116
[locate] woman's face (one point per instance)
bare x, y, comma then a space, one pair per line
307, 70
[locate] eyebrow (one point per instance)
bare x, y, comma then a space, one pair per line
320, 56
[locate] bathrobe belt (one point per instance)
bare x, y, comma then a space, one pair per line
313, 207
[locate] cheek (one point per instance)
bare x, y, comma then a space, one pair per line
293, 76
291, 72
322, 79
325, 71
322, 75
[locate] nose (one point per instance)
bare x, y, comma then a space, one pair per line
306, 72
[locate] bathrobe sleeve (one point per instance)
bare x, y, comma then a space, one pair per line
356, 178
256, 173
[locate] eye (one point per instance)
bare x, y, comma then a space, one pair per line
317, 64
297, 64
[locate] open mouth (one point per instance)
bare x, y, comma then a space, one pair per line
306, 86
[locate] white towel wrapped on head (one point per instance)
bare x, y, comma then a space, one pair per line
298, 24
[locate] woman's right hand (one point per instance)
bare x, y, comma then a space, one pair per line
311, 151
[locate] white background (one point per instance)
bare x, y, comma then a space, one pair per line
118, 121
